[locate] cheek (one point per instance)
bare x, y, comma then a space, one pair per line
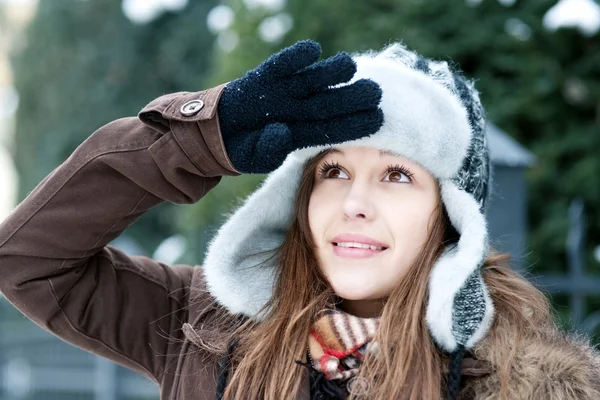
312, 209
409, 222
320, 209
315, 217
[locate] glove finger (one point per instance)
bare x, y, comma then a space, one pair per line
337, 130
273, 146
260, 151
318, 77
291, 59
361, 95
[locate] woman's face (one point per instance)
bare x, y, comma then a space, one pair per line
363, 196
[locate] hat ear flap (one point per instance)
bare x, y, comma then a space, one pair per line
473, 311
239, 265
459, 310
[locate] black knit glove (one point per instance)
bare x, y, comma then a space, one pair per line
286, 103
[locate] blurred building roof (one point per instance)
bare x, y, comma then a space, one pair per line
506, 151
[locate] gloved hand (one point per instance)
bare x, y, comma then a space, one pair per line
286, 103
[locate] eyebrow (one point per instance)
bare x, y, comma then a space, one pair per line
389, 153
381, 152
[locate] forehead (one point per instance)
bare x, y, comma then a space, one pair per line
348, 151
340, 150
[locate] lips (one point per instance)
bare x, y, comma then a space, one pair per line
355, 252
358, 238
349, 252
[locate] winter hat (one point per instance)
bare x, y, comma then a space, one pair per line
432, 116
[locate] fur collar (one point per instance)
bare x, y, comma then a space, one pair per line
556, 366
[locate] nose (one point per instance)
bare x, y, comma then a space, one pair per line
358, 203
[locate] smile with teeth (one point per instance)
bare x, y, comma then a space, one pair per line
357, 245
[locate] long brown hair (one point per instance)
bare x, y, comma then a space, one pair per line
408, 364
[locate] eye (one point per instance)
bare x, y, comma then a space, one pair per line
395, 173
399, 174
331, 171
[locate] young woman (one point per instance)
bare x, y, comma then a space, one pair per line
360, 268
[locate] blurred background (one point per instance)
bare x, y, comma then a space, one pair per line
68, 67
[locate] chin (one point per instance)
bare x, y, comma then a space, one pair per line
354, 291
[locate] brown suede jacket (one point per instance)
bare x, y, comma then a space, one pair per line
56, 266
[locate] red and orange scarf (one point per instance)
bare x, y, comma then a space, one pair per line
338, 343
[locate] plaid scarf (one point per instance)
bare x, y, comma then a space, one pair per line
338, 343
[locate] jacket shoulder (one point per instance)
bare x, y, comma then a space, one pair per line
555, 366
206, 317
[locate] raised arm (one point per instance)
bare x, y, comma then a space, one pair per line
55, 265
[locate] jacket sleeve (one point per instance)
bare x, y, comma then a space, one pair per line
55, 264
